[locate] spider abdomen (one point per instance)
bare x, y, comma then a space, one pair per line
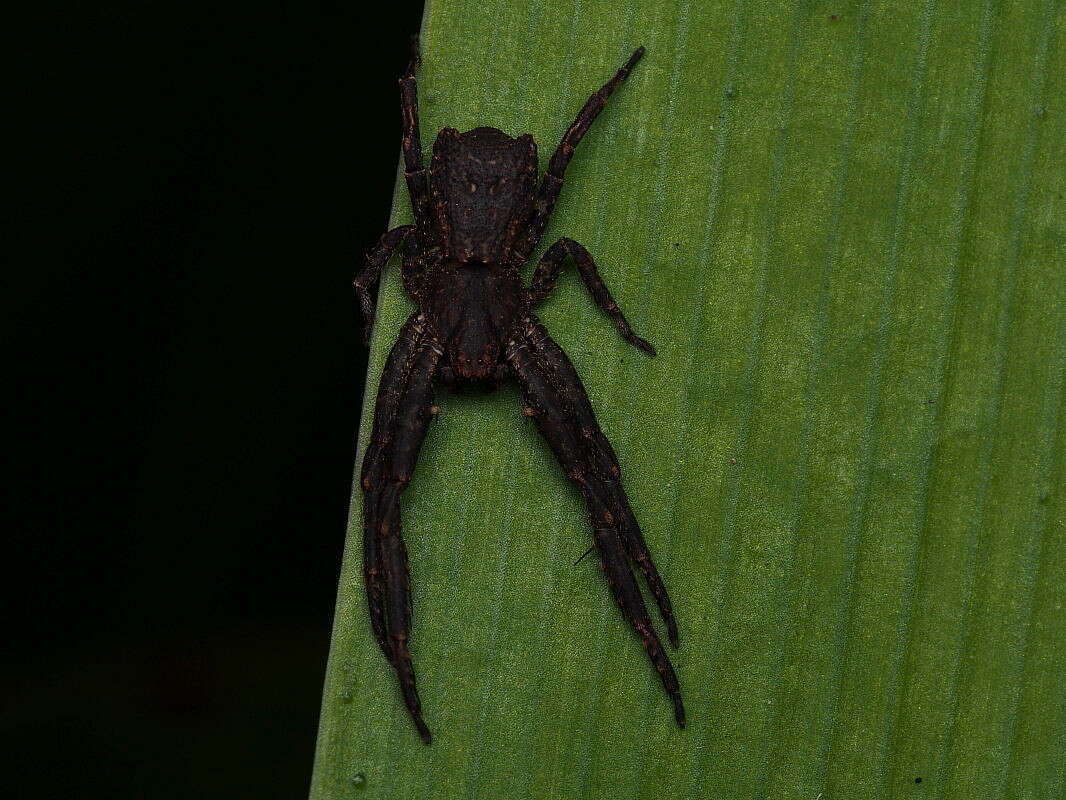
473, 308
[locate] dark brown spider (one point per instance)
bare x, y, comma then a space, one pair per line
479, 213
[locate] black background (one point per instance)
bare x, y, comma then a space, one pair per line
193, 190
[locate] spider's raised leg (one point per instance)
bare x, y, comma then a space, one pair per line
366, 282
414, 172
559, 406
402, 415
552, 183
547, 273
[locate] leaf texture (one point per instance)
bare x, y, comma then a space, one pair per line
843, 227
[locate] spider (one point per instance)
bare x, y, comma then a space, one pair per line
479, 212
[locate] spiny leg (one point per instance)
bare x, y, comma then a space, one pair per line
366, 282
414, 172
559, 406
547, 273
414, 266
550, 186
568, 385
402, 415
391, 392
587, 115
637, 548
627, 595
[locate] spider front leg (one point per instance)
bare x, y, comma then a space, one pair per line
414, 172
552, 183
547, 273
559, 406
401, 417
366, 282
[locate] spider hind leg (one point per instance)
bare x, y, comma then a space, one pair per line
557, 403
401, 417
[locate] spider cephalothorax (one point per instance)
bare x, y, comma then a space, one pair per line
479, 212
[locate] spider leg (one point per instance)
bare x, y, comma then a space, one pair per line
366, 282
572, 391
414, 171
627, 595
558, 404
550, 186
547, 273
401, 417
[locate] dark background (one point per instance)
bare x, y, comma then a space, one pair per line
193, 188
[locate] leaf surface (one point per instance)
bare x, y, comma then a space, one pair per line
843, 227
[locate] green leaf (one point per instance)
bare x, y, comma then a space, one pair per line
842, 224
